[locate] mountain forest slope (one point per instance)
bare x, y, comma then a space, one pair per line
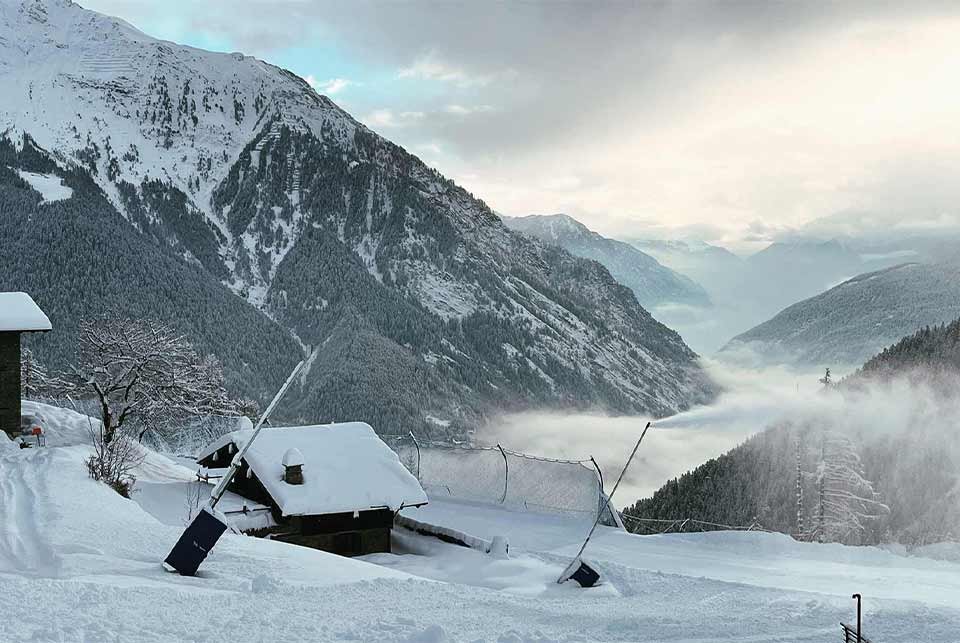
854, 320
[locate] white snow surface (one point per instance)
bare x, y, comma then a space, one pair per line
18, 311
50, 186
82, 563
346, 467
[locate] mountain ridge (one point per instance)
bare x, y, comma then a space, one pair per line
854, 320
652, 282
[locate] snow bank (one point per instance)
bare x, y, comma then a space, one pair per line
59, 522
346, 467
18, 311
68, 543
62, 427
444, 533
50, 186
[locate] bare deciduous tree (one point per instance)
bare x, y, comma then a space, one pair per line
849, 508
143, 370
34, 380
142, 376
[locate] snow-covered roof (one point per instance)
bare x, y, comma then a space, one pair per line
18, 312
346, 467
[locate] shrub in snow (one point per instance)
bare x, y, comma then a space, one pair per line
114, 462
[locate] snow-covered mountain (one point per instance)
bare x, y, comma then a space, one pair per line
711, 266
653, 283
415, 306
748, 290
853, 321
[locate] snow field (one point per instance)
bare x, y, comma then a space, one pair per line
83, 565
50, 186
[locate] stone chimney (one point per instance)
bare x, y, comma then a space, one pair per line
293, 466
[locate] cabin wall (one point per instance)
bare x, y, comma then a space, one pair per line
248, 487
343, 543
10, 382
347, 533
340, 533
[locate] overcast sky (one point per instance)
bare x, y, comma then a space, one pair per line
731, 121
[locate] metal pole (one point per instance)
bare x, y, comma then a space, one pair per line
858, 597
610, 497
416, 444
601, 501
221, 487
506, 473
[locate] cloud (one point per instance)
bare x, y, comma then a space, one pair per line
462, 110
904, 222
389, 119
754, 399
430, 67
716, 115
328, 87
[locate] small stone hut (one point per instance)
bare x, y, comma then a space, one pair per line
18, 314
335, 487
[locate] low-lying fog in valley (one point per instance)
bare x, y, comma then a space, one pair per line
917, 411
753, 400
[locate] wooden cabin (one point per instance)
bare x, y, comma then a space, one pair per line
18, 314
335, 487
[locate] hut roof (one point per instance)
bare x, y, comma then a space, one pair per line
346, 467
19, 313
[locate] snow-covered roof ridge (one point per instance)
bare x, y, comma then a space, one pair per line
347, 468
18, 312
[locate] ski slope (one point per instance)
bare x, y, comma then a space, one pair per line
80, 563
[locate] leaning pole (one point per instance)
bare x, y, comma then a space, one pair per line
209, 524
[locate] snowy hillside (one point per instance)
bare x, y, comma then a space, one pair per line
652, 283
84, 565
385, 274
855, 320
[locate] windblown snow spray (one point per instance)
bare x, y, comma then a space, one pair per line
202, 534
578, 570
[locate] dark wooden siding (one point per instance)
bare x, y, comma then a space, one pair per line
10, 382
245, 483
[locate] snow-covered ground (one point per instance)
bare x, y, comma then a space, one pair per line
80, 563
50, 186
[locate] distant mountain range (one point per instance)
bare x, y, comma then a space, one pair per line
652, 283
226, 196
857, 318
748, 290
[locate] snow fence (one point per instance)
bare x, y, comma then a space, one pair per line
494, 475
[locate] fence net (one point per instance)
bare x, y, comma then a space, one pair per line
647, 526
498, 476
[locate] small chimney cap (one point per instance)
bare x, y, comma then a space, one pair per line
293, 458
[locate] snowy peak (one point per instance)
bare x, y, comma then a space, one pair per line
133, 109
652, 283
